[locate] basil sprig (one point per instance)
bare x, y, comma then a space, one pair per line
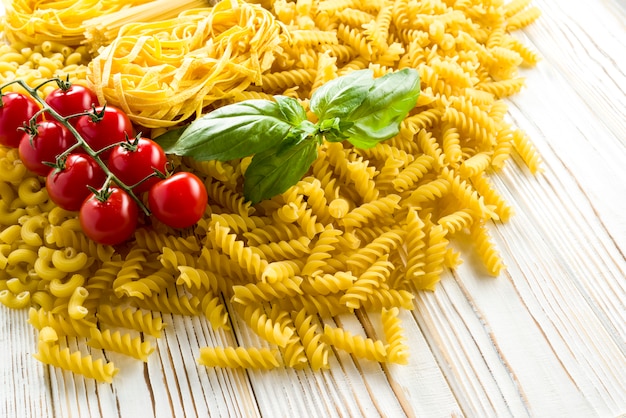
357, 108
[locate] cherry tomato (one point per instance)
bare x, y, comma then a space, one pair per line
16, 110
49, 139
71, 101
67, 187
136, 159
113, 127
110, 217
179, 200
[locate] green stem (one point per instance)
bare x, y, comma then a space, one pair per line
34, 92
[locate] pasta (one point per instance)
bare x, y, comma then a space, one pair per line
28, 21
102, 29
255, 358
361, 232
121, 343
75, 362
355, 344
397, 350
155, 98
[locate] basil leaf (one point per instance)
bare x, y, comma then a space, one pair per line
297, 135
387, 103
340, 97
273, 172
364, 138
291, 109
333, 129
168, 140
235, 131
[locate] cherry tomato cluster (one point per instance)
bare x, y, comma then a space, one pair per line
94, 164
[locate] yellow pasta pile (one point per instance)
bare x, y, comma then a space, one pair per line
360, 233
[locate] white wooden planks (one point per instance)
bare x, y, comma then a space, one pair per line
547, 338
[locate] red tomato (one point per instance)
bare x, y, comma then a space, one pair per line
71, 101
178, 201
16, 110
113, 127
67, 187
134, 160
50, 139
109, 218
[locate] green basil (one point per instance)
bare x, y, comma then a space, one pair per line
168, 140
273, 172
333, 130
339, 97
387, 103
362, 137
292, 110
235, 131
298, 134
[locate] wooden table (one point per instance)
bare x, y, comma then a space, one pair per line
547, 338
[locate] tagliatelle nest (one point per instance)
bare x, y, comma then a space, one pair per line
35, 22
163, 73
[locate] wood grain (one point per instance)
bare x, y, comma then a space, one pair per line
546, 339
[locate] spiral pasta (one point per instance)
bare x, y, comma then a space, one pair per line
75, 362
315, 349
355, 344
269, 330
397, 350
120, 343
239, 357
145, 322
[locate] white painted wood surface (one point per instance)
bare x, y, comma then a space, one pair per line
546, 339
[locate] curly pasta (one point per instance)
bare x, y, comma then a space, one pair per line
325, 284
120, 343
284, 250
388, 298
368, 212
486, 249
365, 256
407, 178
238, 357
170, 302
75, 362
397, 350
433, 257
527, 151
246, 257
282, 270
317, 260
271, 331
130, 318
40, 318
367, 348
215, 311
367, 283
315, 349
